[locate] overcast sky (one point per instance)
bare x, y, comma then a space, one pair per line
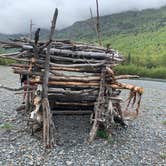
15, 15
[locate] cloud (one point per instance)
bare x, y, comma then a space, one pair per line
16, 14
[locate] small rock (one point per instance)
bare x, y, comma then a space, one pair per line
30, 163
69, 163
61, 152
110, 162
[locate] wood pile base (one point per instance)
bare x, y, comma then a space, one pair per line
66, 77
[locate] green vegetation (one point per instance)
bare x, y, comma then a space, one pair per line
102, 134
6, 61
145, 53
164, 122
163, 155
6, 126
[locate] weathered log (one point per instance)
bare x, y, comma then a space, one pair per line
83, 54
126, 77
86, 65
90, 70
18, 45
9, 54
98, 107
70, 98
48, 125
60, 59
72, 68
26, 72
13, 58
74, 74
75, 79
73, 104
118, 85
69, 112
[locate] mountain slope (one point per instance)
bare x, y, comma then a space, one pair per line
122, 23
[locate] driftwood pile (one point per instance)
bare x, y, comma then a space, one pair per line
66, 77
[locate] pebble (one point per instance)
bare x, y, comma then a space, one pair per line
69, 163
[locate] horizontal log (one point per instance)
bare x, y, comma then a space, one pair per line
76, 78
86, 65
91, 70
72, 98
69, 112
26, 72
9, 54
118, 85
84, 68
73, 74
85, 79
13, 58
56, 59
126, 77
83, 54
91, 84
73, 104
72, 92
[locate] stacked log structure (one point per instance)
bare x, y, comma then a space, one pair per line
81, 80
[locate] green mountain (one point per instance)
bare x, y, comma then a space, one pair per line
115, 24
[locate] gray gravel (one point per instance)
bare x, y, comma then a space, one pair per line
142, 143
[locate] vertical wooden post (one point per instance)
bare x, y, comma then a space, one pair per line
99, 107
30, 30
98, 23
48, 125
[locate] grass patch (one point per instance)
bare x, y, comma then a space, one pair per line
4, 61
164, 122
101, 133
158, 72
6, 126
163, 155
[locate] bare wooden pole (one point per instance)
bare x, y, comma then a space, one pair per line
48, 125
98, 108
30, 30
98, 23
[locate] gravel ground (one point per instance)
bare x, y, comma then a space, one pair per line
142, 143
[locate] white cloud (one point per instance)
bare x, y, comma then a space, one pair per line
16, 14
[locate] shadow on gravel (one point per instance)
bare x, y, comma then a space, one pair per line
72, 129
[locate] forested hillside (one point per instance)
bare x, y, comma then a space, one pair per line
123, 23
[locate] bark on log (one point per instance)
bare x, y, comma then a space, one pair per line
98, 107
83, 54
119, 85
69, 112
48, 125
126, 77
